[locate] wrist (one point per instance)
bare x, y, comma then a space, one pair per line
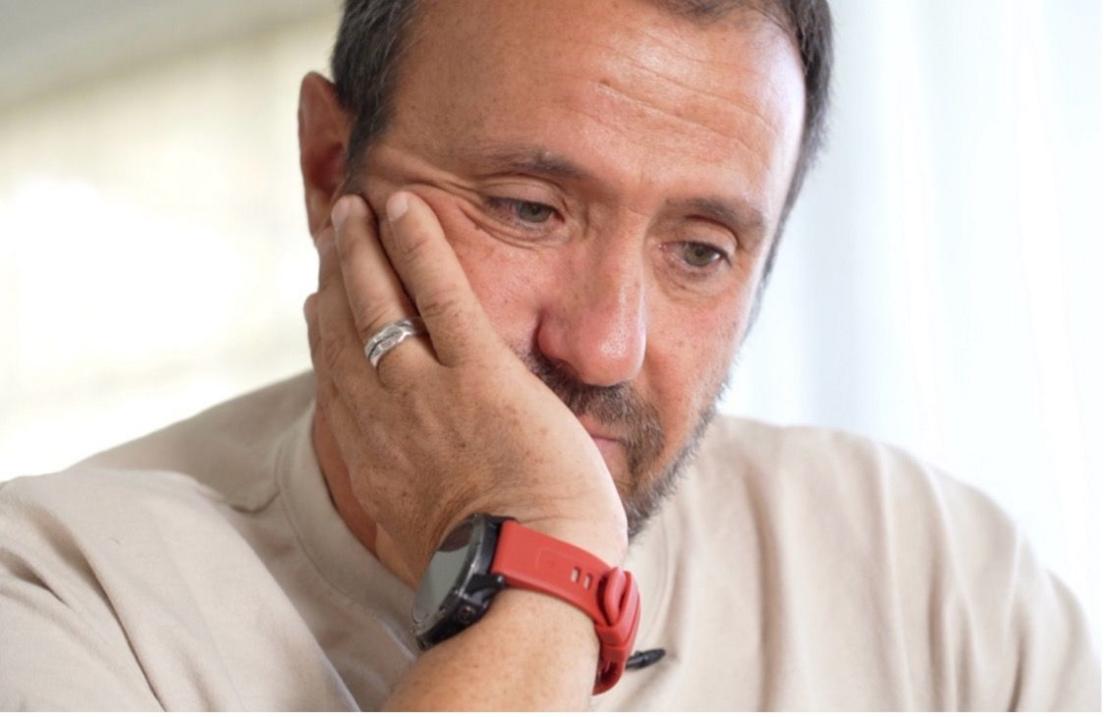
487, 554
528, 652
606, 540
598, 529
546, 620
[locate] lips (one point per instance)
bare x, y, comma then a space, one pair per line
600, 433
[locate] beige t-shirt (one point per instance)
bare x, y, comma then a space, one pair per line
204, 567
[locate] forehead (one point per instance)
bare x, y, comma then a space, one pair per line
639, 96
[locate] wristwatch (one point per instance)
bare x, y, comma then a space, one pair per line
485, 554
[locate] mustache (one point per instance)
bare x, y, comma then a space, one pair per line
618, 406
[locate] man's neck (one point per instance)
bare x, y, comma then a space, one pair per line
351, 508
336, 475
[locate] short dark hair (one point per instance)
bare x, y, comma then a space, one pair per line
371, 40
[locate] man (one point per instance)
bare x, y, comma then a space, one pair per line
543, 229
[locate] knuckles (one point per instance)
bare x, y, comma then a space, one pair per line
414, 244
371, 319
441, 303
333, 351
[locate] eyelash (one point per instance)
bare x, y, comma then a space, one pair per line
507, 208
719, 256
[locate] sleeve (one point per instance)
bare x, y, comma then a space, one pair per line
1015, 636
60, 647
1057, 664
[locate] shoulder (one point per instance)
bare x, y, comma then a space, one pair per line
103, 498
86, 529
847, 479
153, 495
126, 589
837, 492
231, 448
137, 525
176, 497
866, 533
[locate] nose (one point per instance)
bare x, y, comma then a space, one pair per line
595, 324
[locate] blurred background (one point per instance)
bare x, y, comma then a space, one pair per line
940, 286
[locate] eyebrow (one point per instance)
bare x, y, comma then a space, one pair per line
527, 159
740, 215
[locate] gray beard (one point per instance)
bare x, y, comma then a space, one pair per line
622, 406
649, 495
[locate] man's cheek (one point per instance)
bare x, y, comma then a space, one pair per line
510, 288
508, 280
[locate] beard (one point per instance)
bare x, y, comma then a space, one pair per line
648, 483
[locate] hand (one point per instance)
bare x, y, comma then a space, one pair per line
451, 423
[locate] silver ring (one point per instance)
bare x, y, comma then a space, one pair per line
391, 336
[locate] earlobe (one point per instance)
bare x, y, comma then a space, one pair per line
323, 137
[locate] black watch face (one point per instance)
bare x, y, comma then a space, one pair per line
457, 586
450, 563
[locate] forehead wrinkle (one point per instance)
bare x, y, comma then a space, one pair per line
644, 76
634, 79
642, 174
646, 107
613, 53
748, 108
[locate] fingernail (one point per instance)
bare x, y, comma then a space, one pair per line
340, 211
397, 204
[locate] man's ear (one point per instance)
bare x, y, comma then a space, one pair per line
323, 137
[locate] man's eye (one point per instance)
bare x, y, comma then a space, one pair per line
700, 256
523, 211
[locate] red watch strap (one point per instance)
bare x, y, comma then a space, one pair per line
534, 561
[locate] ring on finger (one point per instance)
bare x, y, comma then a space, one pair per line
391, 336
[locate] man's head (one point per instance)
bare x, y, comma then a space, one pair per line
612, 176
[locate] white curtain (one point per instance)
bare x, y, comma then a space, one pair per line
940, 284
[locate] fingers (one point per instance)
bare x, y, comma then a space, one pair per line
335, 346
361, 290
358, 295
375, 295
429, 269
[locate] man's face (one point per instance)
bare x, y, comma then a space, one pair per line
611, 177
